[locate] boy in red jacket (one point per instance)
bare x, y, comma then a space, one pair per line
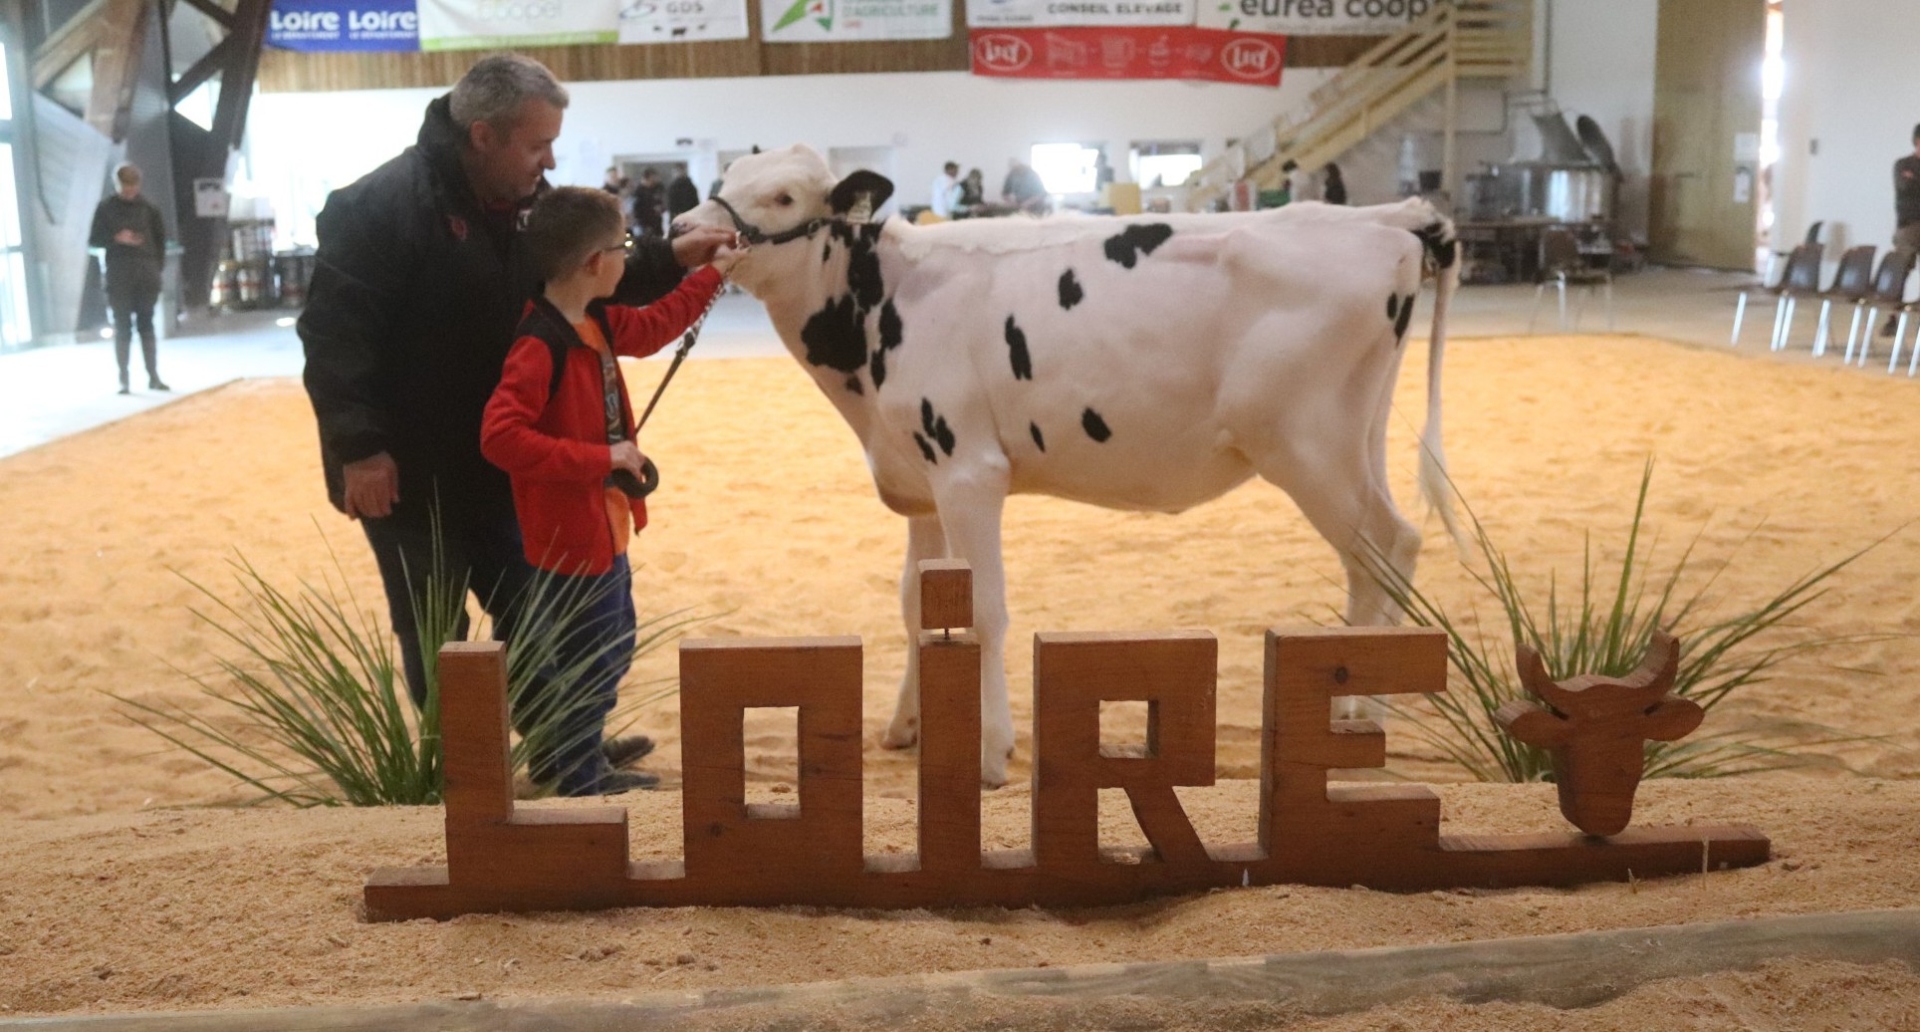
561, 426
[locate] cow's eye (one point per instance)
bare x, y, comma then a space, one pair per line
783, 200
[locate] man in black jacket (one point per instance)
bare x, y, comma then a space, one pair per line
418, 285
134, 236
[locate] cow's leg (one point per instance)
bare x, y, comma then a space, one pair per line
970, 503
924, 541
1349, 503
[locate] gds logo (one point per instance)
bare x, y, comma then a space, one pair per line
999, 52
1250, 58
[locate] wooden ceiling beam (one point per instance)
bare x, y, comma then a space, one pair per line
68, 44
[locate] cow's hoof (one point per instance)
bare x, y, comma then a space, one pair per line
899, 737
993, 779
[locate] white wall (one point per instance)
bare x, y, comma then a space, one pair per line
300, 146
1852, 92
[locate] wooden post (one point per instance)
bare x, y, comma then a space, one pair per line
949, 721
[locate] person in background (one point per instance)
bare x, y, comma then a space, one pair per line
682, 197
1023, 190
419, 282
649, 203
1906, 209
1334, 189
946, 190
972, 195
134, 236
1299, 183
616, 182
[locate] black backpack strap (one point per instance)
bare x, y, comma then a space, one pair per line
544, 322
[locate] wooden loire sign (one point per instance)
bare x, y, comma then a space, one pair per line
1386, 836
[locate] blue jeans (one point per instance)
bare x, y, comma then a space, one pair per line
480, 548
594, 620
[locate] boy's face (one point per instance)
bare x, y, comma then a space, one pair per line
607, 264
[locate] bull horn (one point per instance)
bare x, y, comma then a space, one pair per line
1533, 674
1654, 676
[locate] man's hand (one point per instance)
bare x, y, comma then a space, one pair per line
372, 486
697, 246
626, 455
128, 236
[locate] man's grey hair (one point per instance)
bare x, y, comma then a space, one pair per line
495, 87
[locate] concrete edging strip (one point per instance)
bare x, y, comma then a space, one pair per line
1574, 970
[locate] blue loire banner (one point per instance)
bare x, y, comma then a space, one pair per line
344, 25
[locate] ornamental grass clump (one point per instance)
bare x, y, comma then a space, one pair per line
1603, 625
312, 708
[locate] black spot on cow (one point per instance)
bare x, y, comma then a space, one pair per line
1038, 441
1095, 427
1129, 244
891, 328
1017, 352
878, 367
1393, 307
863, 276
1070, 292
826, 253
1406, 316
835, 336
1441, 246
926, 449
935, 426
853, 384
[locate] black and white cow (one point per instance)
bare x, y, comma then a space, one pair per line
1147, 363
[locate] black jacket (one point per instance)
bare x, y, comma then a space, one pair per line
130, 265
416, 293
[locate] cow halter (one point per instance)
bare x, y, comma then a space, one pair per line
753, 234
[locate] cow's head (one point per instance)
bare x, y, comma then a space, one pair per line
776, 199
1597, 730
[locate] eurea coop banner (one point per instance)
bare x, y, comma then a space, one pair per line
1315, 17
1123, 52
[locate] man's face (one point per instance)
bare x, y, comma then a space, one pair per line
508, 162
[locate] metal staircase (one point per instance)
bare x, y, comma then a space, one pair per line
1462, 40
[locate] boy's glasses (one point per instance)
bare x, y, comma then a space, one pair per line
624, 245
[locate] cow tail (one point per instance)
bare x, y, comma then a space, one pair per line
1436, 486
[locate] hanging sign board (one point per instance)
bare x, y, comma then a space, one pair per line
1315, 17
1122, 52
324, 25
991, 14
840, 21
210, 198
497, 24
671, 21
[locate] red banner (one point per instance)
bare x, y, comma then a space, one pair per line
1130, 52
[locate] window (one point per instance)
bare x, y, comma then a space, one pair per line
1067, 168
1165, 163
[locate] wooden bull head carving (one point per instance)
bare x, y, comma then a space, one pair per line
1597, 730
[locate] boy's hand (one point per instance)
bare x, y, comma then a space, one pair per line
372, 486
697, 246
626, 455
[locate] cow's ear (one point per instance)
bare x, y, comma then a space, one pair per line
861, 189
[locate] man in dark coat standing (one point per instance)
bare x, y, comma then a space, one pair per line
134, 236
419, 282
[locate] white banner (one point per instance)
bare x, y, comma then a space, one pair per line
1314, 17
840, 21
494, 24
1014, 14
670, 21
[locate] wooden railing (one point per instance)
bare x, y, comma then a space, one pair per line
1465, 39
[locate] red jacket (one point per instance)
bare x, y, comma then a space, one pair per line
555, 448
